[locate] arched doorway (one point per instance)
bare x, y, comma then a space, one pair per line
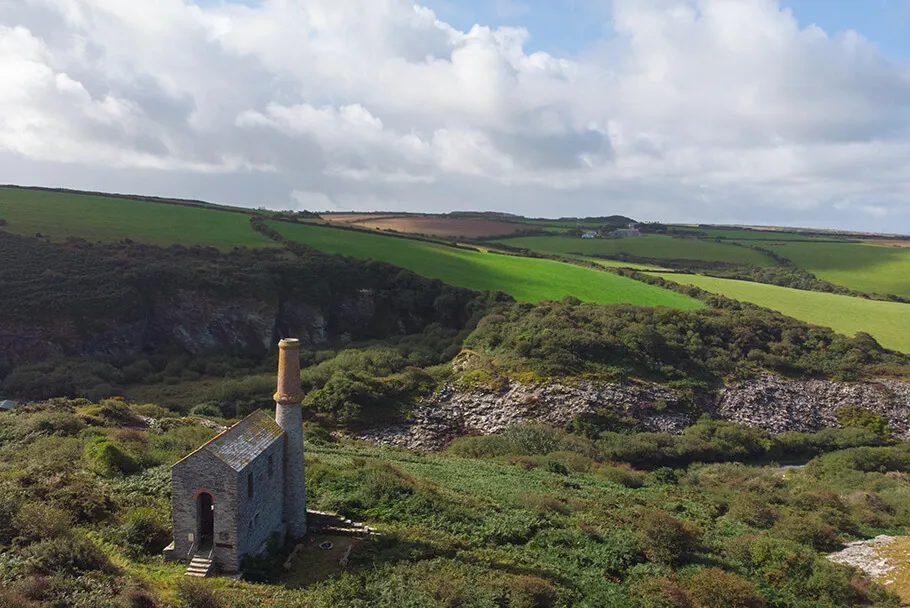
205, 519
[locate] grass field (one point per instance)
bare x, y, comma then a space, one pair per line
618, 264
656, 247
760, 235
526, 279
98, 218
869, 268
887, 322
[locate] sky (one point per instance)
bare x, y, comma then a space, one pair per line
791, 112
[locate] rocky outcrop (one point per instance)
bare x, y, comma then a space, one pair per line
771, 403
811, 405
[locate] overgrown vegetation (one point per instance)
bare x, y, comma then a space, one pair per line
569, 338
536, 517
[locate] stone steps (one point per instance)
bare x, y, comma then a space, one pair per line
200, 567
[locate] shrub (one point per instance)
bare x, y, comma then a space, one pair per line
486, 446
714, 588
208, 410
9, 510
808, 529
71, 555
192, 593
623, 475
12, 599
530, 439
659, 593
531, 592
663, 476
382, 484
544, 504
107, 458
59, 424
666, 539
861, 418
136, 597
38, 520
144, 531
752, 510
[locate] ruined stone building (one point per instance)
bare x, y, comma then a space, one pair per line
234, 492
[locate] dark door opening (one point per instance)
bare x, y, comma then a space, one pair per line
206, 518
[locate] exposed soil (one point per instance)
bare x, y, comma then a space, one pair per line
350, 218
429, 225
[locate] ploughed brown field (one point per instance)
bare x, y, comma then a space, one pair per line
350, 218
429, 225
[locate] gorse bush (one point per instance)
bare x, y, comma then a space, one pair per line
145, 531
666, 539
194, 593
714, 588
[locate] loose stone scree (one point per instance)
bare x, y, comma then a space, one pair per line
246, 484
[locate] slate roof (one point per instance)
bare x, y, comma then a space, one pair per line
242, 443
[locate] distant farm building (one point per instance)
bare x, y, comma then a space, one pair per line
245, 485
6, 405
589, 235
624, 232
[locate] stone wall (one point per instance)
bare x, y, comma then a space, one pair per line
262, 514
202, 471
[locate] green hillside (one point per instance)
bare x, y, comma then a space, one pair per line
99, 218
525, 279
534, 518
656, 247
887, 322
870, 268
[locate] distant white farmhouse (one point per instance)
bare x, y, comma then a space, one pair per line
589, 235
624, 232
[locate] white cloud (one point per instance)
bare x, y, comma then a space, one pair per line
695, 110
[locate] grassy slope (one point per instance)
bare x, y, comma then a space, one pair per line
99, 218
653, 246
886, 321
524, 278
870, 268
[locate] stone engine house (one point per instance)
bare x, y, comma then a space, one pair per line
234, 492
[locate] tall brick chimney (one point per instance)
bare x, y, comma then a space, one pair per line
289, 416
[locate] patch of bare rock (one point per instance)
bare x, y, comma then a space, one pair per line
772, 403
865, 555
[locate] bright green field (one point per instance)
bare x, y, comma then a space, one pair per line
97, 218
869, 268
526, 279
618, 264
887, 322
655, 247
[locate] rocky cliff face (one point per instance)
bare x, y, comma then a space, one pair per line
190, 321
773, 404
